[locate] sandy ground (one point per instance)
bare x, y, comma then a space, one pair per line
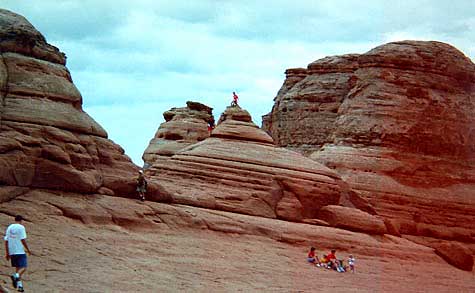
69, 256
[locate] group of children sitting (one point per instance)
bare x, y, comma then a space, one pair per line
330, 261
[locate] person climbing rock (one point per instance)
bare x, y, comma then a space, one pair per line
210, 125
235, 100
15, 246
141, 185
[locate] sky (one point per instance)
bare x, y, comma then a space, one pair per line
133, 60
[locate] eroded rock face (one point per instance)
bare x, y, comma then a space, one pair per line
182, 127
456, 255
402, 134
239, 169
303, 116
46, 139
352, 219
19, 36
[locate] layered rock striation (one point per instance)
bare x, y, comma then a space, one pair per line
46, 139
400, 130
239, 169
305, 109
52, 154
182, 127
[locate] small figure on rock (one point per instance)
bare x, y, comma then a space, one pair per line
331, 255
334, 262
235, 100
210, 125
15, 246
351, 263
324, 262
340, 267
141, 185
311, 255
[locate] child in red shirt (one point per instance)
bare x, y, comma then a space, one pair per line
331, 257
311, 255
235, 99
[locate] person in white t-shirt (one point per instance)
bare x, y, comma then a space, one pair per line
15, 246
351, 263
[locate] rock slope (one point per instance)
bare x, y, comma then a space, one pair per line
109, 244
46, 139
397, 124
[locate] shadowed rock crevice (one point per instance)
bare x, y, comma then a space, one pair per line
4, 91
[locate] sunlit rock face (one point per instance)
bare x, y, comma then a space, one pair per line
46, 139
397, 124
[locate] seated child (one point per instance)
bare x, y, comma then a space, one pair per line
311, 255
332, 259
351, 263
325, 262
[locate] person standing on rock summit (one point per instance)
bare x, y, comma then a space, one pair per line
235, 100
141, 185
15, 246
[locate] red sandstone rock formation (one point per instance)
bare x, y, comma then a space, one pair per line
352, 219
182, 127
46, 139
239, 169
306, 106
95, 230
397, 124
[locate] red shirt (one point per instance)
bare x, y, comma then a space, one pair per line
235, 98
311, 254
331, 256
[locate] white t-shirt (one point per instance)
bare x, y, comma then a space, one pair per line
14, 234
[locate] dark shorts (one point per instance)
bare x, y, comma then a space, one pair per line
19, 260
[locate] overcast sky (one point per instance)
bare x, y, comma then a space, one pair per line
133, 60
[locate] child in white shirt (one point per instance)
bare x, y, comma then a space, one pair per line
351, 263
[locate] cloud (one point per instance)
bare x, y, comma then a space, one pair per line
70, 19
133, 60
